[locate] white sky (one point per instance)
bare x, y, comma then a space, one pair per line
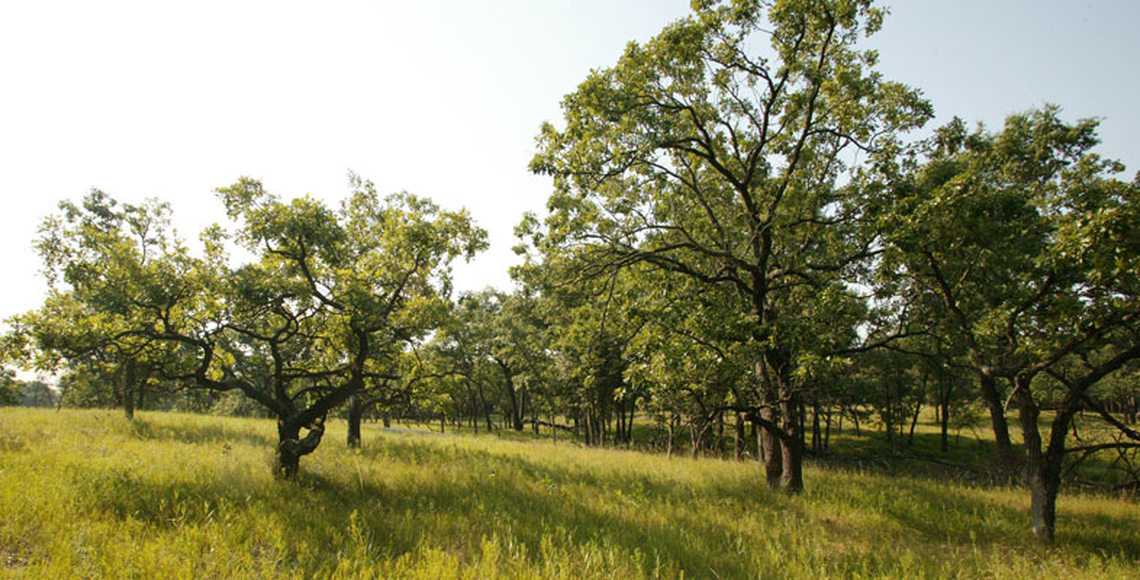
440, 98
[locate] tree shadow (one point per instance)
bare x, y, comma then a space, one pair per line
197, 433
469, 494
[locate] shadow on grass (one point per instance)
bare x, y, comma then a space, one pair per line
197, 432
537, 502
527, 502
939, 513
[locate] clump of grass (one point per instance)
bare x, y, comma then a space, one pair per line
88, 494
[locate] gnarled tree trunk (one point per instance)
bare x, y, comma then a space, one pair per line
291, 446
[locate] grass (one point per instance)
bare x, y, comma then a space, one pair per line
87, 494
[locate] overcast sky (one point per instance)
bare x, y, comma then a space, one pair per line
439, 98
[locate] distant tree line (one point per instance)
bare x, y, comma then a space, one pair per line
14, 392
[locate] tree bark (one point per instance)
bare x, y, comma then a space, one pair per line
1042, 464
945, 420
512, 396
1007, 457
770, 452
483, 405
141, 390
913, 422
816, 429
827, 430
291, 446
127, 389
720, 435
355, 414
738, 440
792, 447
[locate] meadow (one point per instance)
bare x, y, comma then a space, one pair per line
89, 494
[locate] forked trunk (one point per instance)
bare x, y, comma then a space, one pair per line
291, 446
512, 396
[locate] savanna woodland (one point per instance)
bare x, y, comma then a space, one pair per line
762, 330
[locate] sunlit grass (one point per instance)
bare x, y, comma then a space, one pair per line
87, 494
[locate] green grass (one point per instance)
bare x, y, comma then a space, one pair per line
87, 494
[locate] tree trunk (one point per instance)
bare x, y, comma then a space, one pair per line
512, 396
127, 389
483, 405
827, 430
738, 440
291, 446
1042, 466
128, 402
1007, 458
945, 424
769, 446
801, 422
620, 424
1043, 501
816, 429
720, 435
355, 414
913, 422
141, 389
792, 448
474, 408
771, 453
695, 437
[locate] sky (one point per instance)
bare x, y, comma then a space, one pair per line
441, 98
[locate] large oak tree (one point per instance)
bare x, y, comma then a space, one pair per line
711, 158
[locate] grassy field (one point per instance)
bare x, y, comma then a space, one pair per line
87, 494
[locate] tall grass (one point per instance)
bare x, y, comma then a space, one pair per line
87, 494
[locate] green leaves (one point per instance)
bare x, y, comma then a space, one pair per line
1022, 240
